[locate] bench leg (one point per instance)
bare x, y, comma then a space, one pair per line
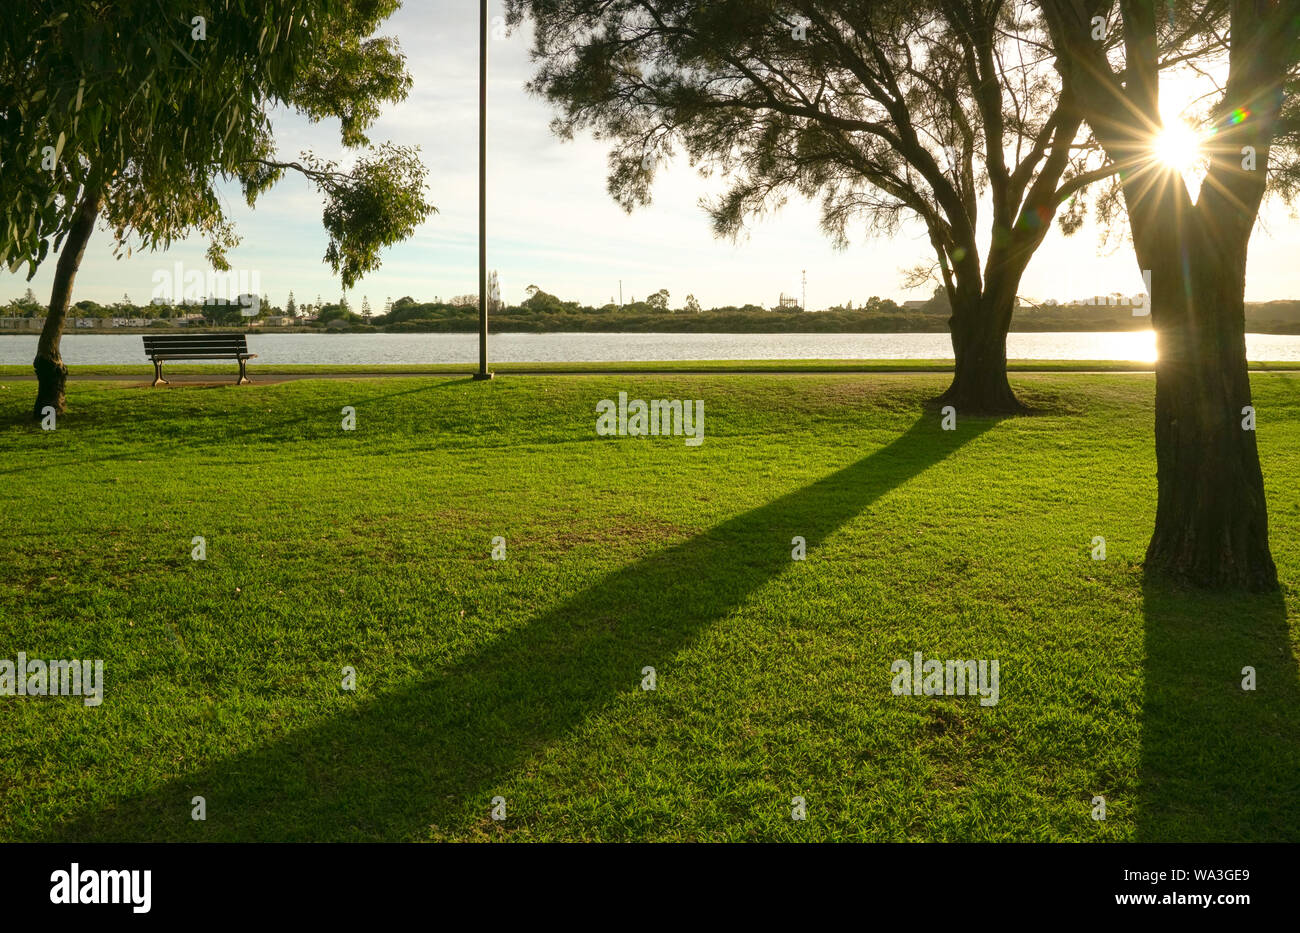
158, 380
243, 374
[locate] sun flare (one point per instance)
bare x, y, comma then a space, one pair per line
1178, 146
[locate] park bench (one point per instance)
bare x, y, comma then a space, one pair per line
197, 347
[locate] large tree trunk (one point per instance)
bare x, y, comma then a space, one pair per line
51, 373
1211, 515
979, 326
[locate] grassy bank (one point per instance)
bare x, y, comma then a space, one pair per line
220, 372
521, 678
145, 371
134, 372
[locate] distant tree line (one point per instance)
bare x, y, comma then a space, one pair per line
543, 312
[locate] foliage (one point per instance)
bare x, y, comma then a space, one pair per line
142, 108
881, 110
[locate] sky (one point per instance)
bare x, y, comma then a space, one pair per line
551, 222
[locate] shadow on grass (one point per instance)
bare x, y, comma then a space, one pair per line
1218, 763
433, 753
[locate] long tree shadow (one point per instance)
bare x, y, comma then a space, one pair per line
1219, 762
429, 753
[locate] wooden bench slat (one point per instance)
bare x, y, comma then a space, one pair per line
196, 335
223, 347
203, 356
196, 343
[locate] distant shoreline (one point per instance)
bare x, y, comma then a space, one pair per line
1279, 318
1281, 330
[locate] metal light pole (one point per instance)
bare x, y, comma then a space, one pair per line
483, 372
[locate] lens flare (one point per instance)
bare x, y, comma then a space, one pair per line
1178, 146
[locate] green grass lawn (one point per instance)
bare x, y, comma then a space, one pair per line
521, 678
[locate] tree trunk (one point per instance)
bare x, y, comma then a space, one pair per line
979, 329
1211, 515
51, 373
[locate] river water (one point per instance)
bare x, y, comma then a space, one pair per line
408, 349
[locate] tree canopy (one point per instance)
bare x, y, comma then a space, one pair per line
154, 105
